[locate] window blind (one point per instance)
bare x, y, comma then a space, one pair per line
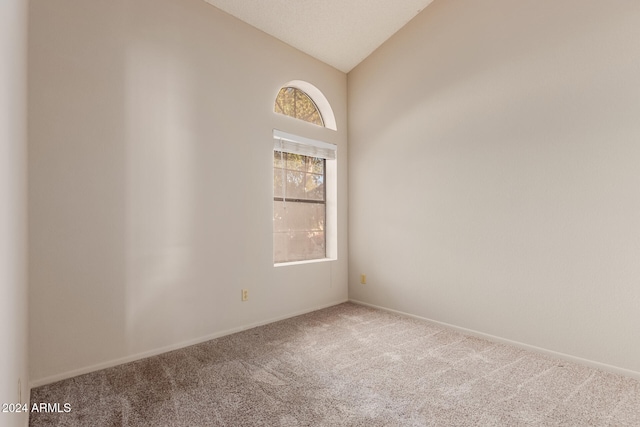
295, 144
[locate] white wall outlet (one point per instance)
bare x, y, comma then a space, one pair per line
363, 279
245, 294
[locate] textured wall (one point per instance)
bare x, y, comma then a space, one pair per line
13, 198
151, 180
493, 173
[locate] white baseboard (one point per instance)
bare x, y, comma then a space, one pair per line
558, 355
155, 352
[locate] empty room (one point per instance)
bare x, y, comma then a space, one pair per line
319, 213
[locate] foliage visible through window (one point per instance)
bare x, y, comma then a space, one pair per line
299, 204
295, 103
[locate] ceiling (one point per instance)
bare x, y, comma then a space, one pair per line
339, 32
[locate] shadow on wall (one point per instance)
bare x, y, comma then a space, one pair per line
140, 192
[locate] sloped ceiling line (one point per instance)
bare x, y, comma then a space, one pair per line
340, 33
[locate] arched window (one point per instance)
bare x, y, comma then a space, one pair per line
304, 180
304, 101
293, 102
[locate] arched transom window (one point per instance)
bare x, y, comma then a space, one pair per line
293, 102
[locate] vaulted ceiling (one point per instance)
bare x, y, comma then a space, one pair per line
340, 33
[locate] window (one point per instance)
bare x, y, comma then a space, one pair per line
301, 167
293, 102
304, 180
298, 207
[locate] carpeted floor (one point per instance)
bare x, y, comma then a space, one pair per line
347, 365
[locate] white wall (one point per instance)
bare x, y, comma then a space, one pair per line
494, 173
13, 197
150, 174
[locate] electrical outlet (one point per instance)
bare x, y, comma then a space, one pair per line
245, 294
363, 279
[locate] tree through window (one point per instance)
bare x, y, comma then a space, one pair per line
304, 172
304, 175
295, 103
299, 207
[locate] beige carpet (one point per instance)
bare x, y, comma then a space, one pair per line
347, 365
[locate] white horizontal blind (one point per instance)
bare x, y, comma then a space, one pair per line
295, 144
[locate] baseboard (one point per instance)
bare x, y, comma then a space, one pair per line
563, 356
155, 352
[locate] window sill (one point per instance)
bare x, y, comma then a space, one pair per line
309, 261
